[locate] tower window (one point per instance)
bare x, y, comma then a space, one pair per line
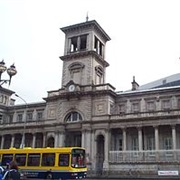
74, 46
78, 43
99, 74
83, 41
98, 46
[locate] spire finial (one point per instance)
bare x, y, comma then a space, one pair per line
87, 17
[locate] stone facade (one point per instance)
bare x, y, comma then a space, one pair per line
136, 130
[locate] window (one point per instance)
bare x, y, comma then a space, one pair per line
1, 98
29, 116
78, 160
150, 143
6, 158
78, 43
135, 143
20, 159
98, 46
19, 118
39, 115
76, 70
10, 118
83, 41
48, 159
150, 106
73, 117
135, 107
99, 74
122, 108
168, 143
33, 159
120, 144
1, 118
166, 104
63, 160
74, 44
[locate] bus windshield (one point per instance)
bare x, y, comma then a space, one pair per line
78, 158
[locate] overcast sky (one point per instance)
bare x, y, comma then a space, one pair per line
145, 40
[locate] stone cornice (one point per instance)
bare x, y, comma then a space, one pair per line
77, 55
86, 25
80, 94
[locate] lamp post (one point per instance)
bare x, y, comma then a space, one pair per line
22, 145
11, 71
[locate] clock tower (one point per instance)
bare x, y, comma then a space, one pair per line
84, 55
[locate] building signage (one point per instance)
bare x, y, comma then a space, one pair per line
168, 173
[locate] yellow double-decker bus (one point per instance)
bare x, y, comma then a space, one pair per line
47, 163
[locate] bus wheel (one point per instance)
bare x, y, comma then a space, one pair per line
49, 176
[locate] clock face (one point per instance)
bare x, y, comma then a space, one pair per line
71, 87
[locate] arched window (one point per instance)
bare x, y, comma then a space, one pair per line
99, 74
73, 117
76, 70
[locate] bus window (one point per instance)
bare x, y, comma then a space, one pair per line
20, 159
63, 160
33, 159
78, 158
6, 159
48, 159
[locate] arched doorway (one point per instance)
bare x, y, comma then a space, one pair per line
100, 154
50, 142
73, 137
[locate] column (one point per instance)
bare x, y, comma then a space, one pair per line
44, 139
98, 47
156, 138
68, 46
140, 138
156, 142
34, 140
93, 150
61, 138
174, 141
78, 43
124, 139
106, 151
88, 145
83, 143
56, 143
2, 142
174, 137
12, 140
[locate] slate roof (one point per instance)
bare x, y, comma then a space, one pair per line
169, 81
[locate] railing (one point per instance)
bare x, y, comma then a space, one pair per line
144, 156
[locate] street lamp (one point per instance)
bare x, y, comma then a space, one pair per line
11, 72
22, 145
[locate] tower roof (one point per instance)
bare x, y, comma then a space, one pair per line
88, 24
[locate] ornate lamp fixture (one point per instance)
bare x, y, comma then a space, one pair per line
11, 71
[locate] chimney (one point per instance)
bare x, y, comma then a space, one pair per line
135, 85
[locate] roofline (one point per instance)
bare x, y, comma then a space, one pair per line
146, 90
85, 24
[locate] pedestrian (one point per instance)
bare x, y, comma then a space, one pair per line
1, 172
12, 173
